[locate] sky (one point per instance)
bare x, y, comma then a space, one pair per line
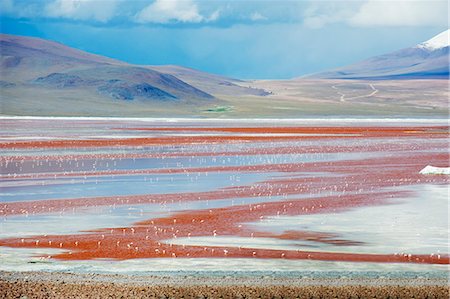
262, 39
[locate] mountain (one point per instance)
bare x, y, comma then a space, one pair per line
429, 59
44, 65
438, 42
213, 84
44, 78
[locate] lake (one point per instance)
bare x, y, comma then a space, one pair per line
313, 197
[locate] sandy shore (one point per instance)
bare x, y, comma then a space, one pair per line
65, 285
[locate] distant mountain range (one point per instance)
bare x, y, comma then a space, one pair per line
41, 77
429, 59
43, 65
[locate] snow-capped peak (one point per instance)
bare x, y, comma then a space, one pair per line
439, 41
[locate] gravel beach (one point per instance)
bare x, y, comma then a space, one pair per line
66, 285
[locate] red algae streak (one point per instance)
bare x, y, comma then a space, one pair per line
316, 133
344, 184
385, 131
146, 239
279, 150
150, 141
359, 176
438, 159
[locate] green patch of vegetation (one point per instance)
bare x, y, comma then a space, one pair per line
220, 109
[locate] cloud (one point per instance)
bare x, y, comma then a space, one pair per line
256, 16
101, 11
169, 11
312, 14
401, 13
377, 13
322, 13
214, 16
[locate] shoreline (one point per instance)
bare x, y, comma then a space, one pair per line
70, 285
256, 120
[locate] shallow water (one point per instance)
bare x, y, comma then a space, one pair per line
325, 192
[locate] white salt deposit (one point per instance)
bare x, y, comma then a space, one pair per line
435, 170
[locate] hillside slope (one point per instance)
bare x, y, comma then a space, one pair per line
427, 60
211, 83
31, 63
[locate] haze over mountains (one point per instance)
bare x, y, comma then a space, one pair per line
429, 59
40, 77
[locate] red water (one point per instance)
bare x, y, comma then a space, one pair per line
351, 183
